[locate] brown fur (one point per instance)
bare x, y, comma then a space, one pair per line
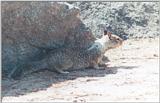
70, 59
64, 59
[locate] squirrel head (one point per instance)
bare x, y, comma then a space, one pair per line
106, 42
111, 40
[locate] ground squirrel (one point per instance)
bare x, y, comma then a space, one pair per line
64, 59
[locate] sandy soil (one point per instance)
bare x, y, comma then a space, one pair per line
132, 75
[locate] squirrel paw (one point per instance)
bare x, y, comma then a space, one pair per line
62, 72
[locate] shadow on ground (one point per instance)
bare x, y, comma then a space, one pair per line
42, 80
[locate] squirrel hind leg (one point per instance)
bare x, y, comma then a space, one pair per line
59, 71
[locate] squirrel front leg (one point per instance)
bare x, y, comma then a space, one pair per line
96, 66
99, 64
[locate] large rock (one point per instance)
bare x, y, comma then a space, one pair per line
29, 29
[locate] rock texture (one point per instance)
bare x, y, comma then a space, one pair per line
30, 29
126, 19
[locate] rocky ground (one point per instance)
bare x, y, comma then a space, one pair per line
132, 75
126, 19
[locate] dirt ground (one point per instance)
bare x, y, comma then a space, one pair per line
132, 75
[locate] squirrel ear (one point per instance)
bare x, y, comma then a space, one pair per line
109, 34
105, 32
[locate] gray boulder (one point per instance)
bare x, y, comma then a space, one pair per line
31, 29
